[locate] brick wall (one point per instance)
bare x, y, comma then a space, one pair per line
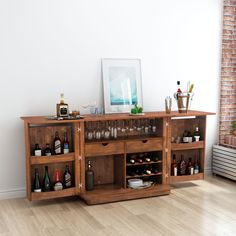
228, 70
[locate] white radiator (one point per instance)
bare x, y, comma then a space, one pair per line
224, 161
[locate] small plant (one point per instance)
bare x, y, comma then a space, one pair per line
234, 127
136, 109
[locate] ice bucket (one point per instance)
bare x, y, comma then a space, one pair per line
183, 101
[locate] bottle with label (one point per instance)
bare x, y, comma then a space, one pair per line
182, 166
62, 107
196, 134
89, 178
37, 150
174, 166
57, 144
46, 181
185, 136
196, 167
47, 150
37, 185
65, 144
190, 167
67, 178
58, 184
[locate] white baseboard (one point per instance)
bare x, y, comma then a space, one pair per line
13, 193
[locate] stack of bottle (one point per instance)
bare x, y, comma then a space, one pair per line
58, 147
45, 184
183, 167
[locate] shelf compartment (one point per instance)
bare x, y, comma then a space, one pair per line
143, 163
53, 194
182, 178
144, 145
145, 175
104, 148
187, 146
37, 160
113, 193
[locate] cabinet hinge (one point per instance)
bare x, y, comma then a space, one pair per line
167, 175
166, 149
80, 158
80, 185
79, 129
167, 123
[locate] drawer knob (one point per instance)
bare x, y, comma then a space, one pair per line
144, 141
104, 144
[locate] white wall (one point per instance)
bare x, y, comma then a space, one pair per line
53, 46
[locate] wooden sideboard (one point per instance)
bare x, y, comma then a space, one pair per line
109, 141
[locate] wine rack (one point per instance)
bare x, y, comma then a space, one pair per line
108, 142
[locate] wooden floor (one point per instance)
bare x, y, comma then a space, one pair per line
195, 208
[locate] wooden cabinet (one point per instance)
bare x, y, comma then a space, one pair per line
108, 142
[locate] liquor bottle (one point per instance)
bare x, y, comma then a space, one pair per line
185, 136
37, 185
89, 178
132, 159
67, 178
147, 170
174, 166
46, 181
182, 166
58, 184
190, 167
57, 144
37, 150
196, 134
62, 107
47, 150
65, 144
196, 167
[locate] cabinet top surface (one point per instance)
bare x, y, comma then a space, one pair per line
158, 114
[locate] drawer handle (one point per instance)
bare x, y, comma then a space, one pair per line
104, 144
144, 141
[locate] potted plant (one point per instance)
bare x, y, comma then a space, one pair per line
234, 127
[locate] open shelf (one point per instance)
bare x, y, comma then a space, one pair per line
113, 193
145, 175
37, 160
187, 146
175, 179
53, 194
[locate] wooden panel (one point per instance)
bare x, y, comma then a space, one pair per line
52, 159
145, 145
53, 194
187, 146
175, 179
113, 193
106, 148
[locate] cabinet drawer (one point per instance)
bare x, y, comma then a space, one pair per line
98, 149
144, 145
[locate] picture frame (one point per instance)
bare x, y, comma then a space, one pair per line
122, 84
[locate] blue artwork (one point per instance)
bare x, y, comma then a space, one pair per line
123, 87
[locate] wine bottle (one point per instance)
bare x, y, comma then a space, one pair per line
89, 179
62, 107
147, 170
58, 184
67, 178
65, 144
57, 144
196, 167
196, 134
174, 166
37, 150
190, 167
132, 159
37, 185
182, 166
46, 181
155, 158
47, 150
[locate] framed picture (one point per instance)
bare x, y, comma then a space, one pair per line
121, 84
